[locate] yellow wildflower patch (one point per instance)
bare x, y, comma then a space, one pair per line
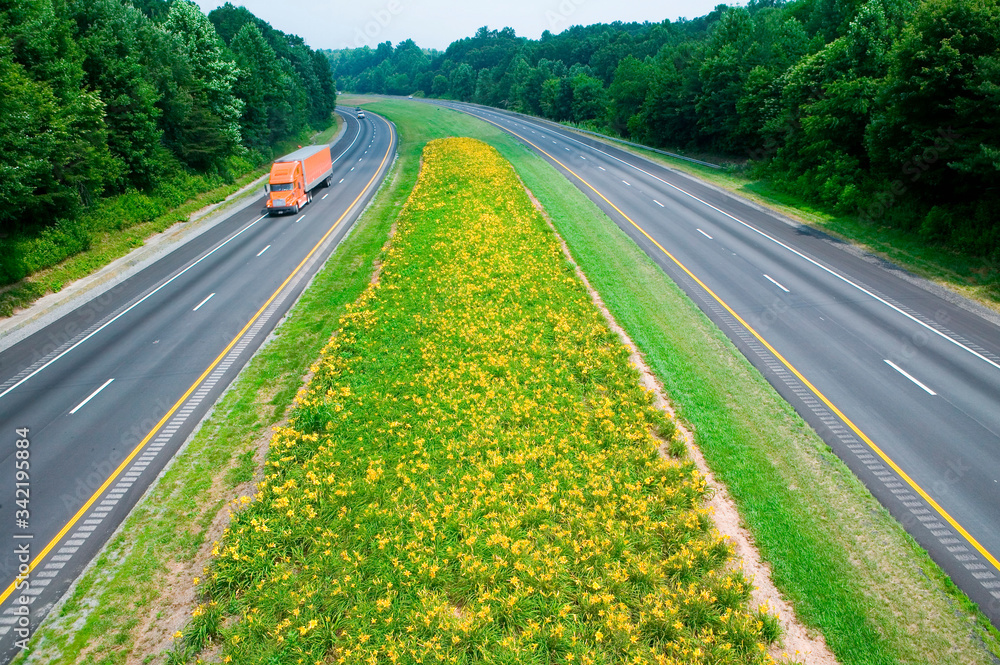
472, 474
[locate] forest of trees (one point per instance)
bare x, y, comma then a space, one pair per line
104, 97
884, 109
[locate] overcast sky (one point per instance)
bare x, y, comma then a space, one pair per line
437, 23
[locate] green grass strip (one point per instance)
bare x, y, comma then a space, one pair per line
472, 474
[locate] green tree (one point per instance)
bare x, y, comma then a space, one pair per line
529, 96
557, 98
668, 116
941, 111
66, 132
439, 88
589, 97
27, 111
628, 91
398, 84
258, 86
827, 101
723, 74
115, 39
462, 83
214, 73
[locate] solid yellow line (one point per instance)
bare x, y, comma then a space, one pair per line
864, 437
142, 444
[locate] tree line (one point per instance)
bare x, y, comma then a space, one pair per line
104, 97
884, 109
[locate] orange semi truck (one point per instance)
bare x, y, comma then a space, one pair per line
294, 176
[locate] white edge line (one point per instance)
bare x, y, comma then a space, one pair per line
909, 376
92, 396
776, 283
705, 234
203, 302
794, 251
356, 137
133, 306
269, 247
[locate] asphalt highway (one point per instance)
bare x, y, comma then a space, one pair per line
93, 406
902, 383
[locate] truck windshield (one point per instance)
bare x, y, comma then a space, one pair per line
282, 187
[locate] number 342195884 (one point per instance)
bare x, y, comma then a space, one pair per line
22, 492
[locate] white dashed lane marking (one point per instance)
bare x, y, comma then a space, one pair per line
198, 306
909, 376
776, 283
90, 397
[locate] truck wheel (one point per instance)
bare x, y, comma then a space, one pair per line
329, 181
295, 210
309, 197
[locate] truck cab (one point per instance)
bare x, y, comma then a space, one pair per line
286, 188
294, 177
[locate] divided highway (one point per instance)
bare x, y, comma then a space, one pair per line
94, 405
902, 383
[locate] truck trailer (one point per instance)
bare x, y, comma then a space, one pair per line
295, 176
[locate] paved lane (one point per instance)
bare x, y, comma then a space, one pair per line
108, 393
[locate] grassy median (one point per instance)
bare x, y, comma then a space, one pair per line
472, 473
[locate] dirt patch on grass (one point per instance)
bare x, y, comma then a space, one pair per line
171, 611
797, 642
377, 263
